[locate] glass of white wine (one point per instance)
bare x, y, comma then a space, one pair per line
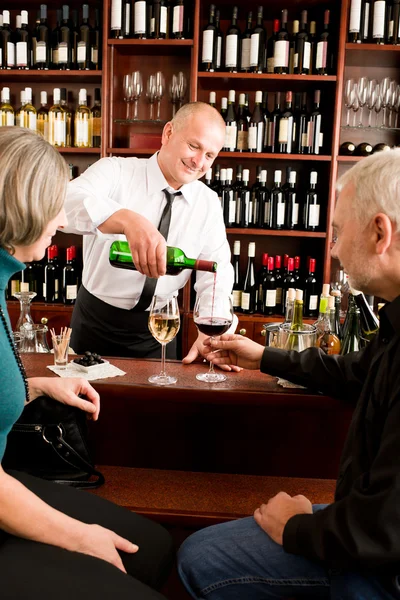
164, 323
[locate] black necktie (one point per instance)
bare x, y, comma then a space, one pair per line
150, 283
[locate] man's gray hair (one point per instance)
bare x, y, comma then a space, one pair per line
377, 186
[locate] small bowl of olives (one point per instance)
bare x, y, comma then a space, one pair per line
89, 362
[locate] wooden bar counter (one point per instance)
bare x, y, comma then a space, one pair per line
248, 424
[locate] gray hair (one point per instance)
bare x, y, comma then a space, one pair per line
377, 185
192, 108
33, 183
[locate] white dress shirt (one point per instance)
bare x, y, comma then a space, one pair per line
197, 227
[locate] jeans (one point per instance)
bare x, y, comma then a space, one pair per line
239, 561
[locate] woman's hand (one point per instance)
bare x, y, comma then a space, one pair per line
103, 543
66, 391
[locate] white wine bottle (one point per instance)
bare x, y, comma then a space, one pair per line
7, 116
83, 123
57, 121
43, 117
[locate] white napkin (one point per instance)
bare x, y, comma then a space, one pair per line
102, 371
288, 384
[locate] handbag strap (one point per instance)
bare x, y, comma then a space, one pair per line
72, 458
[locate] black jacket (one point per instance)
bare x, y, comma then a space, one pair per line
361, 529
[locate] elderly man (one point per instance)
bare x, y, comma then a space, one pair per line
134, 197
349, 549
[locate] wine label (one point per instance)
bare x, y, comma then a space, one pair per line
59, 130
295, 214
246, 52
364, 34
252, 138
32, 121
94, 51
281, 53
163, 19
313, 215
81, 52
127, 22
208, 46
10, 54
236, 298
231, 211
219, 52
283, 133
116, 14
230, 137
62, 53
278, 295
82, 130
280, 212
270, 299
294, 132
10, 119
22, 54
322, 50
177, 20
55, 56
231, 45
254, 49
306, 55
304, 140
152, 25
246, 201
267, 207
44, 290
245, 301
378, 25
242, 140
140, 17
313, 303
355, 16
71, 292
270, 64
295, 60
41, 52
96, 124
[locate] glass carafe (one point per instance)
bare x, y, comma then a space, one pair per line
33, 338
25, 299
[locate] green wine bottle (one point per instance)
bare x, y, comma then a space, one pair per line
297, 321
121, 257
351, 328
369, 323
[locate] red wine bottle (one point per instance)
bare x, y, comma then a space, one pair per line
281, 49
257, 51
209, 46
249, 288
268, 306
312, 205
324, 56
232, 44
302, 54
246, 45
237, 279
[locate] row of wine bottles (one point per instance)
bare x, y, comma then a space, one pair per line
258, 207
157, 19
72, 44
363, 149
59, 125
374, 21
52, 280
285, 130
303, 52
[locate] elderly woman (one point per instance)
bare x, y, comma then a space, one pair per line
56, 541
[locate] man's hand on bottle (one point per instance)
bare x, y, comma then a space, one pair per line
233, 350
148, 246
200, 349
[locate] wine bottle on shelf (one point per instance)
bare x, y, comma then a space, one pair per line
41, 42
7, 115
159, 20
285, 131
68, 116
347, 149
354, 34
292, 203
216, 183
315, 136
365, 20
120, 256
55, 40
369, 323
230, 124
95, 115
268, 304
379, 147
75, 37
232, 44
95, 45
255, 200
228, 200
264, 202
285, 186
248, 304
19, 115
23, 43
281, 49
7, 47
218, 59
301, 118
259, 279
363, 149
242, 144
85, 36
222, 185
208, 177
311, 291
324, 55
302, 55
258, 37
42, 123
278, 204
279, 283
245, 44
312, 36
30, 113
237, 189
237, 279
267, 116
274, 125
245, 200
57, 121
65, 45
351, 329
311, 205
82, 122
70, 280
394, 25
256, 126
52, 278
378, 21
140, 19
178, 20
271, 47
292, 44
212, 99
209, 43
224, 107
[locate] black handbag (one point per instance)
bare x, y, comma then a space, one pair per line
49, 440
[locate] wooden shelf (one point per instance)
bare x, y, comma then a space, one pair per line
349, 158
275, 156
372, 55
33, 75
276, 233
266, 76
150, 42
79, 150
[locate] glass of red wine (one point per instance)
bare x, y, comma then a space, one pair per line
213, 315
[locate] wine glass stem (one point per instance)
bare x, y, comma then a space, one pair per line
369, 117
361, 117
211, 363
151, 111
163, 373
135, 109
158, 109
127, 111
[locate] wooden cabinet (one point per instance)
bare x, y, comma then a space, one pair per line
122, 136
